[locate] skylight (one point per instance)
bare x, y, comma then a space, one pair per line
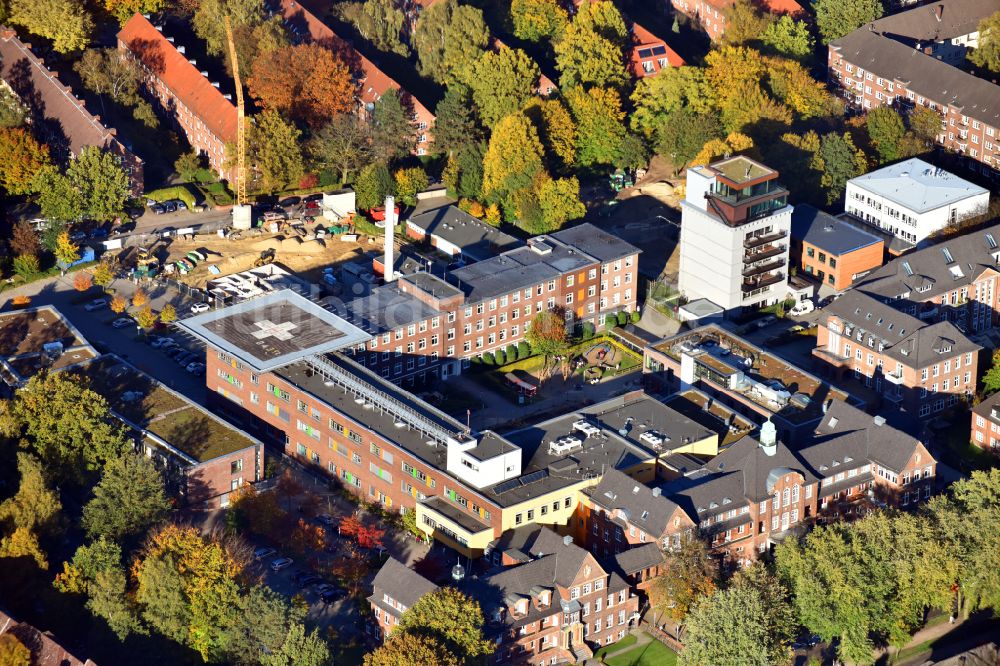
947, 255
991, 241
906, 267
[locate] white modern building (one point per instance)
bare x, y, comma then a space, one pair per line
735, 223
913, 199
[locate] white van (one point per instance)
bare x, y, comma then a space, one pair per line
802, 307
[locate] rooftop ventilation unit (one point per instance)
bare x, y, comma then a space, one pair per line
586, 427
565, 444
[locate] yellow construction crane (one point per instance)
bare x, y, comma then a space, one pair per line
241, 149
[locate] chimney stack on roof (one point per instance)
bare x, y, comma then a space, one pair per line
389, 271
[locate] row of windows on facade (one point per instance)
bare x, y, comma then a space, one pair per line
889, 211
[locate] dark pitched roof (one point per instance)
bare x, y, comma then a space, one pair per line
183, 79
557, 563
902, 337
828, 233
45, 650
641, 557
928, 272
644, 507
986, 407
476, 239
401, 583
55, 103
849, 433
939, 20
922, 74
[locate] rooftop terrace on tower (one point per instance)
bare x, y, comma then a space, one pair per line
274, 330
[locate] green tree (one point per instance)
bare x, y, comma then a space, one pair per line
683, 134
656, 97
124, 9
34, 506
559, 200
393, 133
745, 23
987, 53
188, 165
547, 334
839, 160
268, 630
789, 38
991, 379
513, 158
456, 124
26, 266
299, 649
58, 199
164, 604
729, 627
380, 22
373, 185
591, 50
536, 20
103, 274
792, 83
110, 73
66, 22
453, 618
128, 500
836, 18
209, 23
108, 600
598, 116
168, 313
885, 131
275, 151
102, 182
690, 573
557, 131
925, 124
68, 425
343, 144
404, 648
449, 38
409, 182
12, 112
502, 81
967, 521
13, 652
469, 163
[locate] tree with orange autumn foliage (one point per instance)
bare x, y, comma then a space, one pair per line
140, 298
306, 538
82, 282
21, 158
689, 574
308, 82
118, 304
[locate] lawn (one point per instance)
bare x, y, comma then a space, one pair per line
623, 643
653, 653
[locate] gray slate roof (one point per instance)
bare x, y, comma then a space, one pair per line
924, 75
638, 558
476, 239
828, 233
597, 243
939, 20
401, 583
557, 563
646, 509
847, 436
929, 270
904, 338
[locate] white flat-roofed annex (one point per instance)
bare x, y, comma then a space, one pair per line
274, 330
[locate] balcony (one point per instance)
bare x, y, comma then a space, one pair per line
894, 377
833, 358
762, 281
764, 252
757, 241
764, 268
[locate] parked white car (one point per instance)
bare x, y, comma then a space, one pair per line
802, 307
198, 308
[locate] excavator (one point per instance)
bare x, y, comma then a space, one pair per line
266, 257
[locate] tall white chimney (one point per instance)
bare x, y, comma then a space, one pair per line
390, 231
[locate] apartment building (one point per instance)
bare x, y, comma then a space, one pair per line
711, 14
913, 200
372, 82
735, 221
945, 29
395, 588
986, 424
60, 119
737, 376
555, 603
915, 366
650, 54
860, 460
955, 280
872, 69
206, 115
833, 251
422, 324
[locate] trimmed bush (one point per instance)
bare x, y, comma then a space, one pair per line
488, 359
610, 320
500, 357
523, 349
512, 354
177, 192
622, 318
588, 331
635, 316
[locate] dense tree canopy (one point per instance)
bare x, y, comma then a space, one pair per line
987, 53
449, 37
451, 617
591, 50
22, 157
455, 124
124, 9
836, 18
656, 97
128, 500
342, 144
393, 133
407, 649
102, 182
535, 20
307, 82
12, 112
66, 22
513, 158
502, 81
557, 131
600, 132
275, 151
112, 73
689, 574
789, 38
